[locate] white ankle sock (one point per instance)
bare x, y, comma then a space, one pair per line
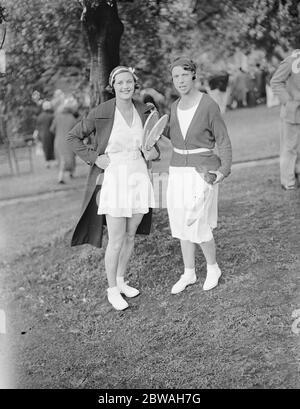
189, 271
113, 290
212, 267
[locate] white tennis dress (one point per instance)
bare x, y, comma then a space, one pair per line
189, 196
126, 187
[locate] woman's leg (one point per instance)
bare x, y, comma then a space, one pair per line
116, 227
61, 176
188, 253
213, 270
61, 171
209, 251
132, 224
125, 254
189, 276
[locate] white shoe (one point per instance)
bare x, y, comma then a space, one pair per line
127, 290
184, 281
115, 298
212, 279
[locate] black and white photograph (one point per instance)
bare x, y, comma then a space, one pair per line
150, 198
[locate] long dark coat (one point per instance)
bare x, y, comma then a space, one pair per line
99, 121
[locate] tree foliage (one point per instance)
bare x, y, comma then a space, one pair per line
274, 25
46, 40
2, 14
104, 30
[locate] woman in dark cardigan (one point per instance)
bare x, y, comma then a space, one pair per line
116, 150
196, 125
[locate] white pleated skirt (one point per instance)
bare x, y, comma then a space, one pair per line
191, 198
126, 187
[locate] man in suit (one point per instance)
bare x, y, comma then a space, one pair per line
285, 83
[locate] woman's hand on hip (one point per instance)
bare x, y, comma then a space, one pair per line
102, 161
150, 154
219, 176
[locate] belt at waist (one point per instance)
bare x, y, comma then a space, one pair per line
190, 151
126, 154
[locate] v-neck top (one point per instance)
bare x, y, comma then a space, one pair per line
185, 117
124, 137
206, 129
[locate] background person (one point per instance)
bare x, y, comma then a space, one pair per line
239, 88
218, 84
63, 121
43, 133
285, 84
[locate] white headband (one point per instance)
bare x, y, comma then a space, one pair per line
118, 71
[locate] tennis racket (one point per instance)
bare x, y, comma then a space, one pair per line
150, 122
155, 133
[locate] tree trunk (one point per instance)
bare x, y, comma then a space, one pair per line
104, 30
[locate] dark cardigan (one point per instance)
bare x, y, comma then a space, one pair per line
205, 131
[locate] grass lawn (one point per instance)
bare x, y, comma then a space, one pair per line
254, 132
62, 333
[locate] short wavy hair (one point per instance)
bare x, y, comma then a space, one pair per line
186, 63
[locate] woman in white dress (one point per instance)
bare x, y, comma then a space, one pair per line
196, 125
127, 192
119, 163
